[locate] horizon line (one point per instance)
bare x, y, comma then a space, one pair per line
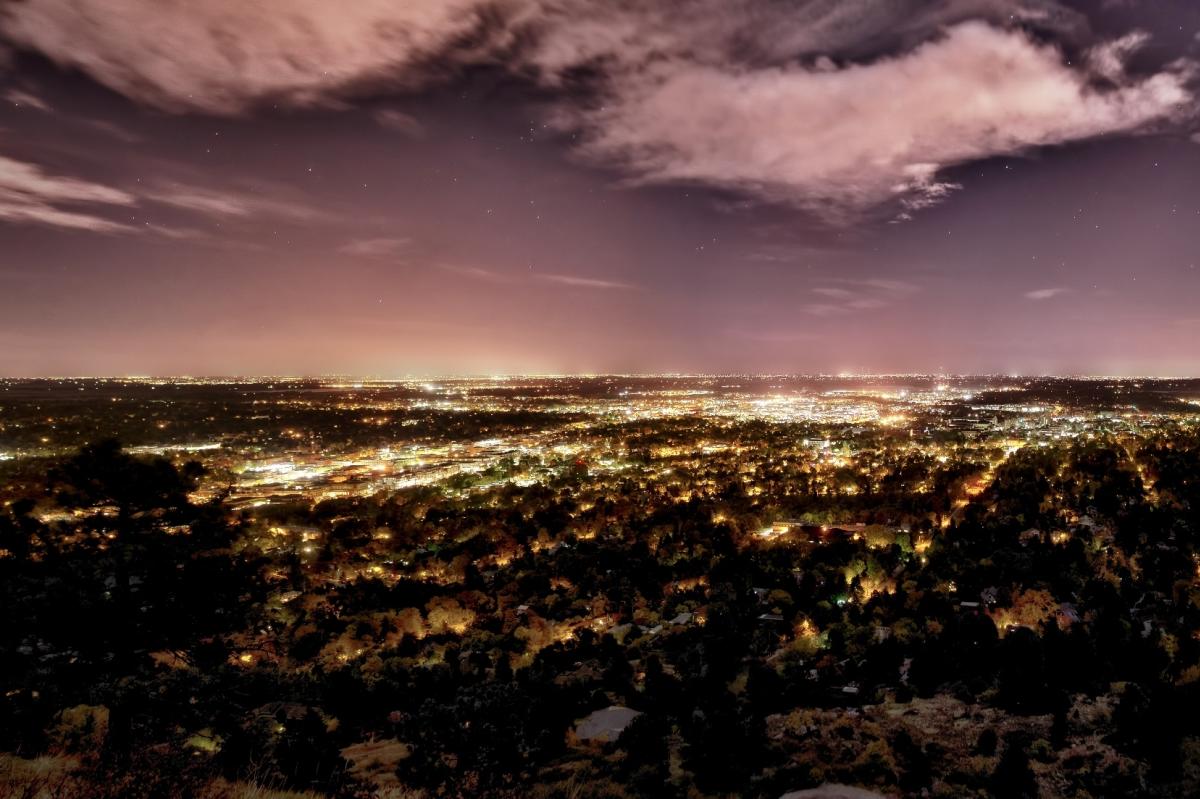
591, 376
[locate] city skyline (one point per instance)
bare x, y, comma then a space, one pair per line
537, 187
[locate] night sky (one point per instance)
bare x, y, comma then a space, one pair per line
388, 188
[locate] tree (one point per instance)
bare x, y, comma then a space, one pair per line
1013, 778
139, 569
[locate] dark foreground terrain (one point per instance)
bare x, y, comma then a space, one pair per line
608, 587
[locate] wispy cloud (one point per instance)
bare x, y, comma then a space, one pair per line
859, 295
232, 203
836, 293
571, 281
24, 99
1038, 295
112, 130
400, 122
375, 247
30, 195
575, 281
180, 233
776, 254
476, 272
890, 285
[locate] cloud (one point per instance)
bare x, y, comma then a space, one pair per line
180, 233
112, 130
836, 293
586, 282
1108, 58
574, 281
225, 56
835, 106
1039, 295
755, 34
375, 248
787, 252
825, 309
840, 140
477, 273
859, 295
400, 122
19, 97
891, 285
30, 195
231, 203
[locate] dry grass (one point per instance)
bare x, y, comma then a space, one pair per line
832, 741
39, 778
52, 777
220, 789
374, 763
